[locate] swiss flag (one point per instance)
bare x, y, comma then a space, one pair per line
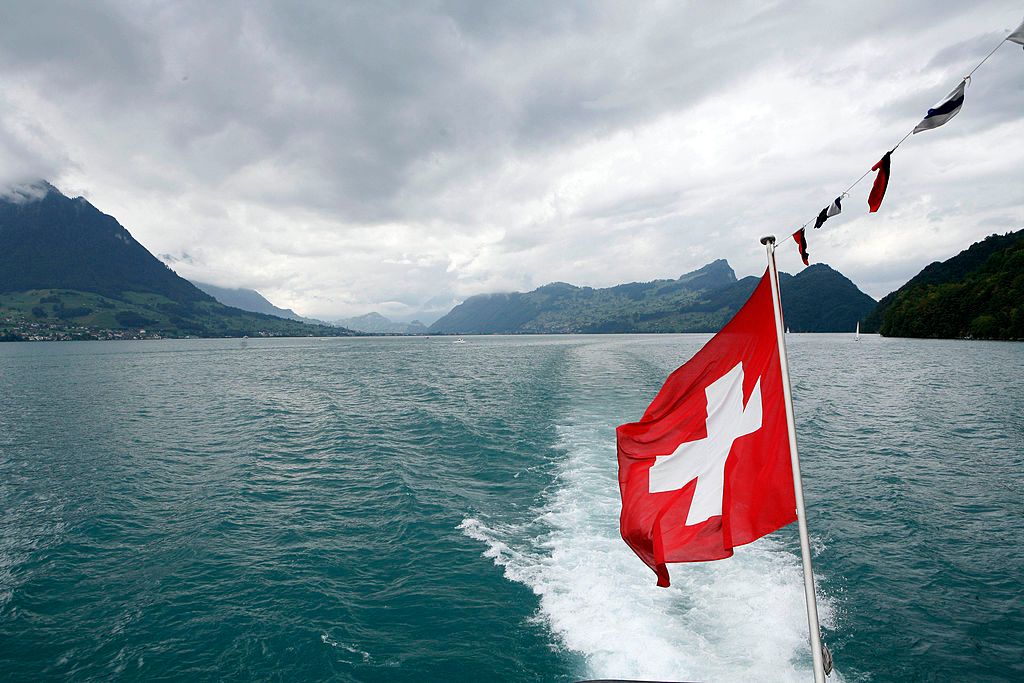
707, 468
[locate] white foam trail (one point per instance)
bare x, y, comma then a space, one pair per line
326, 639
738, 619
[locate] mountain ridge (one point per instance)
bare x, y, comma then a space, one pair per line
85, 249
375, 323
70, 271
978, 293
250, 300
699, 301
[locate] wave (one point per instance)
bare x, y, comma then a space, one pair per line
735, 619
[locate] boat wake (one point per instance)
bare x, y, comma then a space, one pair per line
741, 618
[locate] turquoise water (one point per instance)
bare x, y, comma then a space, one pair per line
417, 510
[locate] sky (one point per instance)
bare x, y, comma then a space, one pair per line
399, 157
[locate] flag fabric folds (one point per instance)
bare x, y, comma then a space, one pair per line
800, 237
707, 468
881, 182
1018, 35
944, 110
833, 209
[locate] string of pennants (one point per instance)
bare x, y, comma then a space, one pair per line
948, 107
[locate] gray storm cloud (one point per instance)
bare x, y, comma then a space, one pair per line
348, 157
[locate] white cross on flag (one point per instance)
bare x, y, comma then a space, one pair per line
708, 468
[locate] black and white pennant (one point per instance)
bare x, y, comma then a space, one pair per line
944, 110
833, 209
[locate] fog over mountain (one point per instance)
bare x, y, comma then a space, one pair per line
375, 323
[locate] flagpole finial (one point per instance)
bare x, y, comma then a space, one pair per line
768, 239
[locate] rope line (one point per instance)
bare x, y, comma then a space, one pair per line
1001, 41
904, 138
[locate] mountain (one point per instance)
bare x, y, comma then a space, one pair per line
249, 300
68, 271
53, 242
819, 299
375, 323
978, 293
657, 306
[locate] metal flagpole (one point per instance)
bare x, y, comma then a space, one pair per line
798, 488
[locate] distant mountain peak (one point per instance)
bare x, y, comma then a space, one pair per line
375, 323
249, 300
556, 286
372, 316
818, 268
713, 275
717, 266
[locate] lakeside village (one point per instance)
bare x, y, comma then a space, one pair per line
15, 328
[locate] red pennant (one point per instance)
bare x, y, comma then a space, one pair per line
881, 182
801, 241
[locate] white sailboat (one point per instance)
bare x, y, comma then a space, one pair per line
856, 335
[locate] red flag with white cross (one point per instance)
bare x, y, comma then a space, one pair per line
708, 466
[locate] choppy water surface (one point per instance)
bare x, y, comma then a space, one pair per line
414, 509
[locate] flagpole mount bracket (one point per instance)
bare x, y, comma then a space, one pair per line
768, 239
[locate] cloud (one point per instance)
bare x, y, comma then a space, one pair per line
350, 157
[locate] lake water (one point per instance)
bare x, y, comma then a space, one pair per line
409, 509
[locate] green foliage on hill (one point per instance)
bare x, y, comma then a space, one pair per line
658, 306
819, 299
978, 294
48, 312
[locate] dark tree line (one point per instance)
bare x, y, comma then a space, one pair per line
978, 294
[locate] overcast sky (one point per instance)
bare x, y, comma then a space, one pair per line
345, 157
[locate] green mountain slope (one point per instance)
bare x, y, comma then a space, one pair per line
978, 293
819, 299
68, 271
54, 242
